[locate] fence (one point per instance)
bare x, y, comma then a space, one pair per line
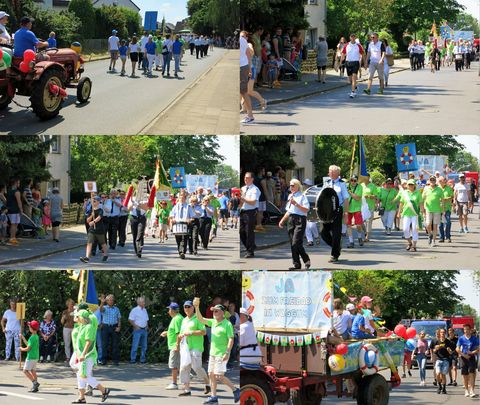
73, 214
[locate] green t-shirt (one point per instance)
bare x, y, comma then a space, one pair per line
370, 189
387, 198
432, 198
87, 333
173, 330
163, 214
34, 344
221, 333
189, 325
415, 198
354, 205
448, 194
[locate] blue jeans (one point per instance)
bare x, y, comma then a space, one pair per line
176, 57
422, 362
166, 63
99, 345
445, 233
139, 337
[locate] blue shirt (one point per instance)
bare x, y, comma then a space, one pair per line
177, 47
150, 47
358, 321
52, 42
340, 188
123, 50
110, 315
301, 200
204, 212
24, 39
467, 345
182, 212
223, 200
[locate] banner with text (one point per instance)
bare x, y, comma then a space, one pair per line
289, 300
197, 180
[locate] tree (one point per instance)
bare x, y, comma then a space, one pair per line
401, 294
466, 22
23, 157
463, 161
85, 12
228, 177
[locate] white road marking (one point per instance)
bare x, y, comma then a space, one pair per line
13, 394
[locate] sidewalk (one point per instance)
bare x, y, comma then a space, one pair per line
308, 86
209, 106
28, 249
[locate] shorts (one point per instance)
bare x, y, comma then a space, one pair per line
134, 56
433, 216
462, 209
356, 216
56, 223
441, 367
174, 359
244, 72
164, 227
223, 214
96, 237
123, 58
216, 365
114, 54
257, 64
376, 67
352, 68
14, 218
407, 358
454, 361
468, 365
234, 213
322, 67
262, 206
30, 365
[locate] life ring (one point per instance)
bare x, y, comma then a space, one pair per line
251, 298
361, 359
406, 159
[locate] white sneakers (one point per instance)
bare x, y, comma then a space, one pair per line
353, 94
171, 386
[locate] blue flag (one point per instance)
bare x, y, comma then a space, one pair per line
406, 155
88, 292
362, 161
177, 177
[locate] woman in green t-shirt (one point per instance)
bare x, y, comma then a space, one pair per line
411, 205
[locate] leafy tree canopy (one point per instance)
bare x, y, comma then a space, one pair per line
209, 16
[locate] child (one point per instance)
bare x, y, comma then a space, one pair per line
133, 53
162, 215
123, 49
46, 220
52, 42
272, 70
3, 225
33, 354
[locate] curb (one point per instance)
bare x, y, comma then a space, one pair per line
315, 92
144, 131
38, 256
265, 247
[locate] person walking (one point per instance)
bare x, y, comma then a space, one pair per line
150, 54
182, 213
388, 205
388, 61
167, 55
113, 45
354, 216
138, 318
11, 330
245, 62
171, 334
133, 53
420, 355
177, 47
411, 205
468, 349
463, 201
96, 232
352, 55
138, 222
206, 215
296, 216
322, 59
375, 63
249, 200
433, 201
446, 221
370, 192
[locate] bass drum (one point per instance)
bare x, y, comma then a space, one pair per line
327, 205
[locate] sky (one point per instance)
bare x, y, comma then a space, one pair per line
471, 7
173, 10
472, 144
467, 290
230, 149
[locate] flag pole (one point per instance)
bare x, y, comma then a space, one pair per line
353, 154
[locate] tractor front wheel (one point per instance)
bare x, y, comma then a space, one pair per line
84, 88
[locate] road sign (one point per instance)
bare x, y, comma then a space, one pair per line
20, 310
150, 23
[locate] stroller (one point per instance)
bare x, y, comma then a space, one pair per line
289, 71
27, 228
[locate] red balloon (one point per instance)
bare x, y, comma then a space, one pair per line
342, 349
1, 54
401, 330
411, 333
389, 334
24, 67
28, 55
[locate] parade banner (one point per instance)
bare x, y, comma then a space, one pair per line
289, 301
446, 32
465, 35
163, 195
90, 186
429, 164
150, 23
206, 181
406, 155
177, 177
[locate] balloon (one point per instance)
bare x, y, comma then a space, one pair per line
28, 55
1, 54
370, 357
410, 345
342, 349
7, 59
401, 331
390, 333
24, 67
336, 362
411, 333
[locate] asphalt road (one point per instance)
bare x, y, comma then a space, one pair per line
384, 252
118, 105
129, 384
416, 103
222, 254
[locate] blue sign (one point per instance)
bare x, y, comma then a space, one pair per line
445, 32
177, 177
150, 23
406, 155
465, 35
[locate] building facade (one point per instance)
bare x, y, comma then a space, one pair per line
302, 152
58, 163
316, 12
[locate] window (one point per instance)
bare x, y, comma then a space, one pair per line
52, 184
300, 138
55, 144
299, 174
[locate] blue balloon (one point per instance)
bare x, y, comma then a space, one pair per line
410, 345
370, 357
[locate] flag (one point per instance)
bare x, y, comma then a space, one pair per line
406, 155
177, 176
160, 182
359, 163
87, 292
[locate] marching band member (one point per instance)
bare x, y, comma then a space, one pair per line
138, 222
248, 214
182, 213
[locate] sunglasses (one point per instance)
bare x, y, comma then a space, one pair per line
187, 306
292, 185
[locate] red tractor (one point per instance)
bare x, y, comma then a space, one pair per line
45, 81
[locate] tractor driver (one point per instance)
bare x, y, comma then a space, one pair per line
25, 39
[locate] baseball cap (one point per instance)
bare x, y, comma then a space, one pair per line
461, 175
3, 14
82, 305
173, 305
114, 31
218, 306
411, 181
389, 180
354, 177
308, 182
437, 172
33, 324
26, 20
349, 307
432, 177
97, 198
188, 303
244, 311
366, 298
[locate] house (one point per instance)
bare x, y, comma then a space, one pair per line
302, 152
316, 12
58, 163
59, 5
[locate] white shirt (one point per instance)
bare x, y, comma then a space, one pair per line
143, 42
135, 205
168, 43
340, 322
243, 52
4, 34
463, 191
110, 209
250, 192
113, 42
375, 51
352, 52
139, 316
134, 47
13, 324
182, 212
300, 199
367, 314
248, 336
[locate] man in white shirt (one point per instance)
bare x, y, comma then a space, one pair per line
113, 42
353, 54
138, 318
248, 213
11, 330
138, 222
167, 55
245, 60
111, 212
182, 213
463, 200
375, 62
142, 61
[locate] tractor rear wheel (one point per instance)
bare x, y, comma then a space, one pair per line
45, 104
255, 391
5, 99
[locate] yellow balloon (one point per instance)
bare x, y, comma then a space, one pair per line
336, 362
